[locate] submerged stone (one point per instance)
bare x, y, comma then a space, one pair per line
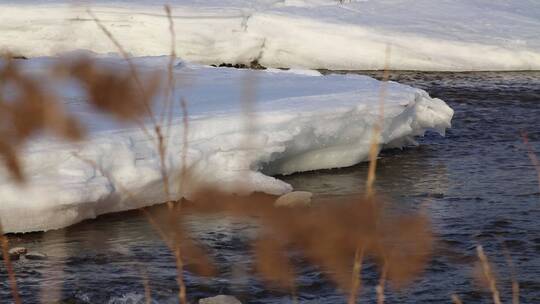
14, 253
221, 299
294, 199
18, 251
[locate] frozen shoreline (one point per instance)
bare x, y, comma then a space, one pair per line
461, 35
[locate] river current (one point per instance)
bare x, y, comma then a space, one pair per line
478, 184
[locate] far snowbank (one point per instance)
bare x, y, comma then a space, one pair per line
458, 35
299, 121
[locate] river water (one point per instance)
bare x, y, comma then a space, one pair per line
478, 184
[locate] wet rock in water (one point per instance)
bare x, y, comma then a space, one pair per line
294, 199
16, 252
35, 256
221, 299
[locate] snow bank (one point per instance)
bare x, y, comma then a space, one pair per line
299, 121
457, 35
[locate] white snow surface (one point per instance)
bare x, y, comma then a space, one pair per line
441, 35
296, 121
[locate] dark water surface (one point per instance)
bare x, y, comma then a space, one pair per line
478, 182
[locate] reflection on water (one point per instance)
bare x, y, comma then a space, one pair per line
478, 184
410, 170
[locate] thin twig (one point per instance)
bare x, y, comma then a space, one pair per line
248, 99
146, 284
532, 155
185, 143
127, 58
161, 141
180, 277
515, 283
377, 129
183, 177
370, 191
488, 274
456, 299
356, 274
173, 246
177, 253
167, 110
9, 268
170, 67
382, 282
161, 146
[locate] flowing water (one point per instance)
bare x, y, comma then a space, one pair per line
478, 184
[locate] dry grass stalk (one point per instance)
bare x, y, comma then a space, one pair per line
180, 276
167, 110
515, 291
532, 154
183, 177
174, 237
146, 97
161, 140
170, 73
488, 275
171, 233
248, 100
131, 65
162, 151
370, 182
185, 144
146, 285
456, 299
382, 282
377, 129
9, 268
356, 275
515, 283
174, 244
175, 249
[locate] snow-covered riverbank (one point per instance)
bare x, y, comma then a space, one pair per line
296, 121
457, 35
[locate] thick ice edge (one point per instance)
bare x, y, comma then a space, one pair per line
457, 35
299, 121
